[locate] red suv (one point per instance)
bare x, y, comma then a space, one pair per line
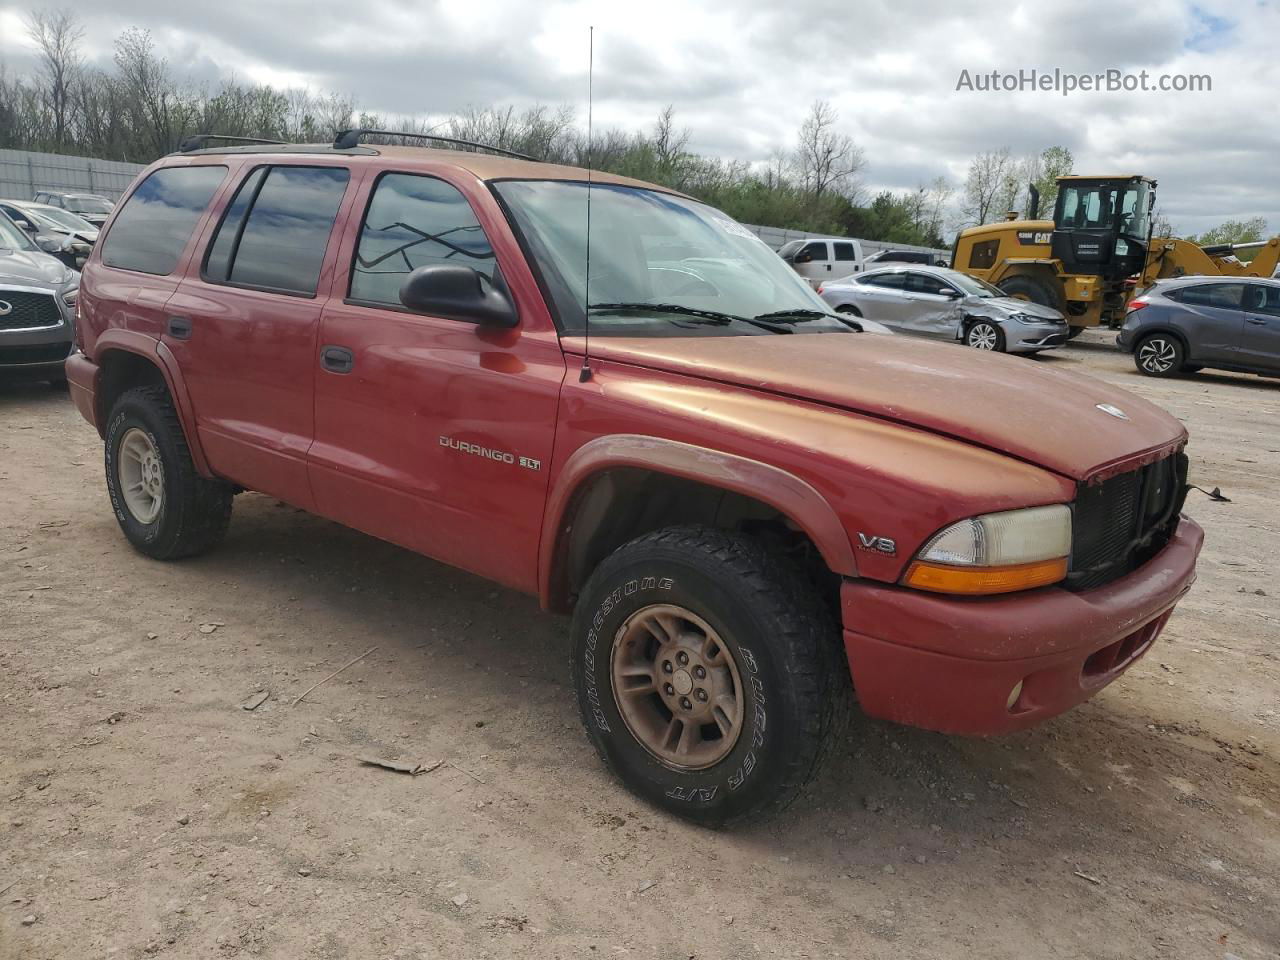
746, 501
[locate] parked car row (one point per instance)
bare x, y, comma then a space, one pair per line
54, 230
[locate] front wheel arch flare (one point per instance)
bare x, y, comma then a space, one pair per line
786, 493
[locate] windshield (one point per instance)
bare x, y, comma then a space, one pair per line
689, 262
1095, 207
61, 218
90, 205
974, 287
12, 237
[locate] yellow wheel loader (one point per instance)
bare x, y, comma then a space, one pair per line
1086, 261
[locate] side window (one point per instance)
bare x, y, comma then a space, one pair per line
983, 255
843, 251
1224, 296
277, 228
152, 229
816, 251
1264, 300
414, 221
889, 281
924, 283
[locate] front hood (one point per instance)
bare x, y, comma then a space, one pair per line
1009, 404
27, 266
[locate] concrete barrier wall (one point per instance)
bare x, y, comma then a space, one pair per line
23, 172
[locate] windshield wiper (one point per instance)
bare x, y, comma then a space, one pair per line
710, 317
803, 316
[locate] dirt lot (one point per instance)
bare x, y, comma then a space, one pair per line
144, 812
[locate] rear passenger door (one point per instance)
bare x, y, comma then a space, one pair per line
883, 297
244, 325
1212, 320
432, 433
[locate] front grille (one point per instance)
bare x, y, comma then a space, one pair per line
28, 310
1121, 523
48, 353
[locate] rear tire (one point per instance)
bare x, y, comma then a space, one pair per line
984, 335
1036, 289
1159, 355
759, 715
850, 309
165, 508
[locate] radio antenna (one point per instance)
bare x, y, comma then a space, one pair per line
585, 373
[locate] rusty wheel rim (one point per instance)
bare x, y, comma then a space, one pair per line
677, 687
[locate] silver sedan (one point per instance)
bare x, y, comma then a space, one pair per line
946, 304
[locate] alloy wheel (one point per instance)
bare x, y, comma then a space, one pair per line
982, 336
1157, 355
677, 686
140, 473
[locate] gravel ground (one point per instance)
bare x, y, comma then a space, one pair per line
144, 812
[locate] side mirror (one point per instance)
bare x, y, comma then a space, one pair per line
951, 293
460, 293
49, 244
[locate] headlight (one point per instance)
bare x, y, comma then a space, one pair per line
996, 553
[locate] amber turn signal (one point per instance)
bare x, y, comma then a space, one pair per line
974, 581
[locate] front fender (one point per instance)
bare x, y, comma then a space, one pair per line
784, 491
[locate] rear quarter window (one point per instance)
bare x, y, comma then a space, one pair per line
152, 228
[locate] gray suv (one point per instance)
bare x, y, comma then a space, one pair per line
37, 307
1187, 324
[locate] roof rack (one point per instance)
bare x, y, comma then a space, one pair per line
197, 141
346, 139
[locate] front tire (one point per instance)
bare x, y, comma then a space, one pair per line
984, 335
1159, 355
165, 508
707, 674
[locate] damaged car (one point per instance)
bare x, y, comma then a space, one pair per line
946, 304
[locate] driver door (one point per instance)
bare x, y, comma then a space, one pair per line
933, 309
432, 433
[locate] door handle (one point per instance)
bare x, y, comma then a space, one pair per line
1256, 321
337, 359
180, 328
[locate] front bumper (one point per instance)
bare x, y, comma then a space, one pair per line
950, 664
36, 351
1022, 337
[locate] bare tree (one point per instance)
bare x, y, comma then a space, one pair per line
669, 146
986, 184
57, 34
827, 161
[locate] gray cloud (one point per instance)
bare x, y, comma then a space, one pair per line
741, 76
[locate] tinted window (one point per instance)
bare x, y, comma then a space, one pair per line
843, 251
413, 222
217, 263
156, 222
1226, 296
983, 255
926, 283
815, 251
285, 232
890, 281
1263, 300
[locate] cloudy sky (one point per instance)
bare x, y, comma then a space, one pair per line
741, 75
